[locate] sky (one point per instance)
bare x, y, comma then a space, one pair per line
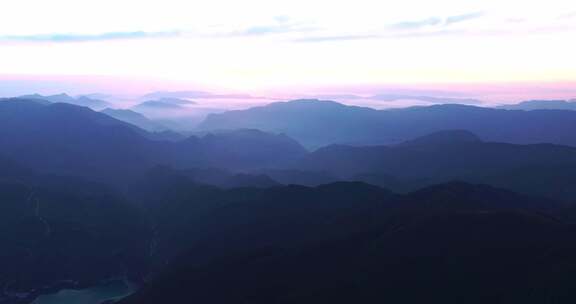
495, 51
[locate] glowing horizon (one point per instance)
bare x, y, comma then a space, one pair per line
500, 51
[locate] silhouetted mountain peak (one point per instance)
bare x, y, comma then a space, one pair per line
313, 122
30, 96
62, 95
444, 137
318, 104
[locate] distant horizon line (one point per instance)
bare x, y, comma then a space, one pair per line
445, 102
129, 89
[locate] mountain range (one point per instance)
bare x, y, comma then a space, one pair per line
71, 140
135, 118
297, 244
542, 105
38, 136
317, 123
84, 101
461, 204
452, 155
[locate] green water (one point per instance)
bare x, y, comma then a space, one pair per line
113, 290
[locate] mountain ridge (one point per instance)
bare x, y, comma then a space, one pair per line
319, 123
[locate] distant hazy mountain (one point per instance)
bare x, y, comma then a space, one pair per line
430, 99
312, 122
70, 140
84, 101
65, 98
157, 105
542, 105
318, 123
177, 113
135, 118
175, 116
172, 100
91, 103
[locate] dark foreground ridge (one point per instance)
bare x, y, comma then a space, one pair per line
351, 243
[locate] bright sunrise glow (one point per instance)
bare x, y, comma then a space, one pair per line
285, 48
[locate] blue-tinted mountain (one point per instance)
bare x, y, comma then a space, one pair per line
156, 105
430, 99
442, 154
319, 123
205, 219
172, 115
70, 140
84, 101
135, 118
156, 130
542, 105
287, 176
451, 137
242, 149
66, 139
39, 137
450, 155
91, 103
312, 122
173, 101
166, 135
